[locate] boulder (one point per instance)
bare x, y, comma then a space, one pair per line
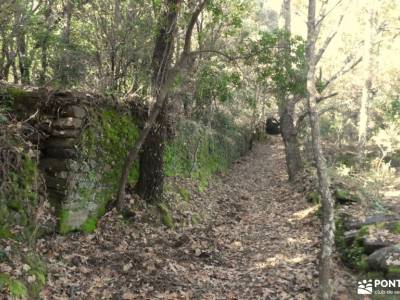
372, 244
67, 123
73, 111
385, 259
56, 142
350, 236
60, 153
53, 165
352, 224
344, 197
68, 133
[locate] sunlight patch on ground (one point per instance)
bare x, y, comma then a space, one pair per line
297, 241
305, 213
390, 194
280, 259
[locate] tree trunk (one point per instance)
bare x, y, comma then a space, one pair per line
151, 177
367, 87
328, 224
166, 76
289, 136
23, 60
64, 69
287, 106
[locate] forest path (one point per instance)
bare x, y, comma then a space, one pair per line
261, 243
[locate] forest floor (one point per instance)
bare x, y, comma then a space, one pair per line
261, 242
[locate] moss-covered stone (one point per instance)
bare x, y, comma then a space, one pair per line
353, 256
18, 196
343, 196
94, 178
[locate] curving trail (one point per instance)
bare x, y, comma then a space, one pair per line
260, 242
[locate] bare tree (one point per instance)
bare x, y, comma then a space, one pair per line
366, 96
163, 79
328, 224
287, 105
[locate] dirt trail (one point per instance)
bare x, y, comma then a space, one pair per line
262, 243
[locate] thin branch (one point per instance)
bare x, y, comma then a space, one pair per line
322, 98
343, 71
328, 40
192, 23
325, 13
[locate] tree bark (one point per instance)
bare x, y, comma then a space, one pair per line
328, 224
167, 77
20, 38
367, 87
287, 105
151, 178
289, 136
150, 185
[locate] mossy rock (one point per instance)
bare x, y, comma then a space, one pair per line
354, 255
342, 196
94, 178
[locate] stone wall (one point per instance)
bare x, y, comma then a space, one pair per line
84, 140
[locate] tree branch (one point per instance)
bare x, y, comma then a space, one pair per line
343, 71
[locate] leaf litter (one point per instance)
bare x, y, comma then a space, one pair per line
254, 242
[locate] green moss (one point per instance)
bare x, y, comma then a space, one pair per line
63, 222
360, 262
199, 152
343, 196
17, 288
364, 230
313, 197
393, 272
185, 194
4, 280
16, 93
18, 198
166, 216
395, 228
38, 270
196, 219
90, 225
103, 148
374, 275
353, 256
5, 232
